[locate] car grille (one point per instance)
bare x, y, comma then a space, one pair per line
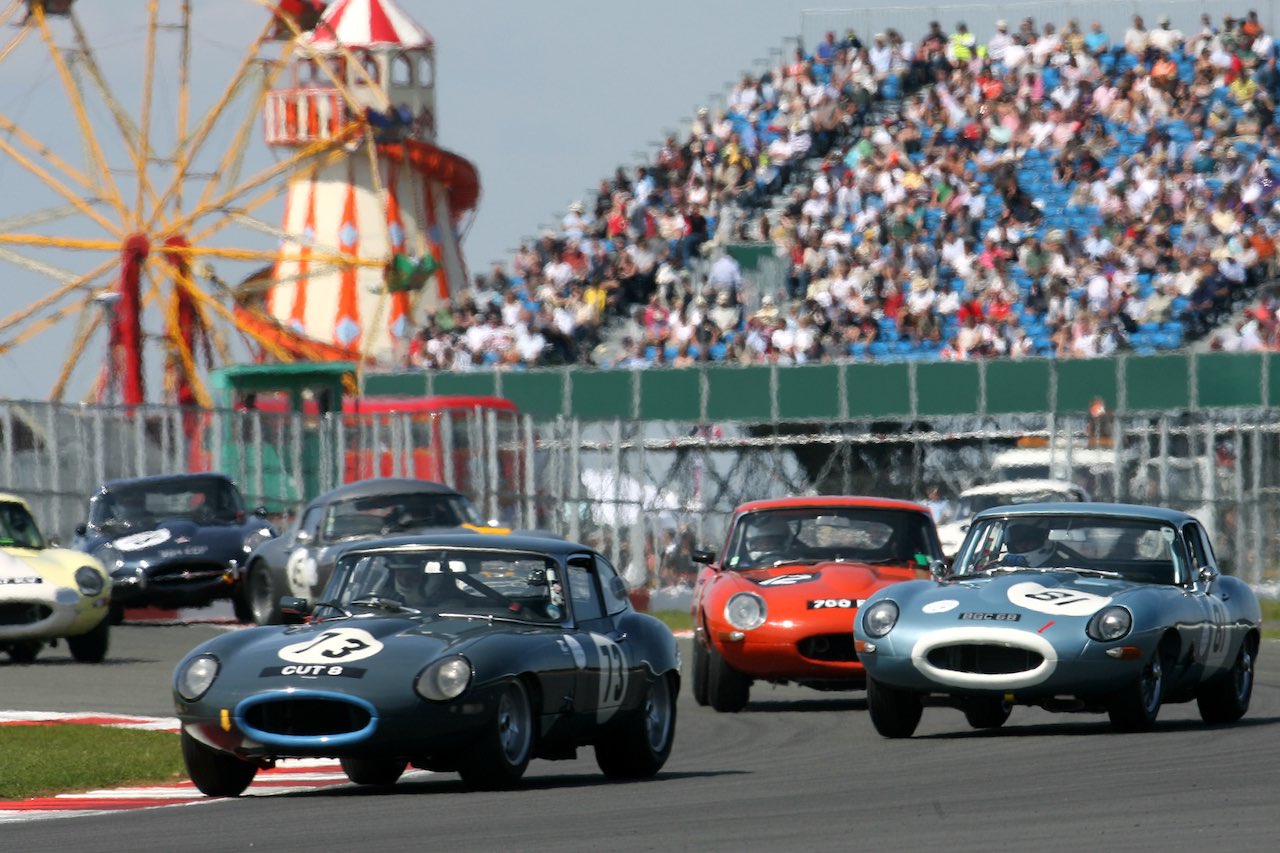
831, 647
300, 717
185, 573
23, 613
984, 658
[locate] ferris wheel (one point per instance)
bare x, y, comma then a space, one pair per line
148, 229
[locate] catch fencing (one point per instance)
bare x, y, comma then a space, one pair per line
648, 492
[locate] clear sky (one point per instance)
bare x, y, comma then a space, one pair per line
546, 98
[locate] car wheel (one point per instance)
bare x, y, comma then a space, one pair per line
373, 771
264, 598
24, 652
91, 646
241, 607
1135, 708
699, 672
499, 758
1225, 699
895, 713
115, 614
727, 689
214, 772
638, 746
986, 712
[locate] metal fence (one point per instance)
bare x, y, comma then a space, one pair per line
647, 492
912, 19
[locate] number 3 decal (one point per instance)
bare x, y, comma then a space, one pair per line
613, 677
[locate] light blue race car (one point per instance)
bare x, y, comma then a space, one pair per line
1092, 607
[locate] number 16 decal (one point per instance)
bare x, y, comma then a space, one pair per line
613, 677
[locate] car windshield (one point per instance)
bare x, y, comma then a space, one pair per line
396, 513
486, 583
816, 534
17, 527
140, 506
1140, 550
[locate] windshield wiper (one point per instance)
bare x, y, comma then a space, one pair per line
1101, 573
488, 617
393, 604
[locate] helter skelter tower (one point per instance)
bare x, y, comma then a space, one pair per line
396, 194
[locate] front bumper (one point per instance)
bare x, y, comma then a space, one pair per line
993, 660
49, 613
796, 653
173, 584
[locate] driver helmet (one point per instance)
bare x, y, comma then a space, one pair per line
766, 537
1030, 540
408, 583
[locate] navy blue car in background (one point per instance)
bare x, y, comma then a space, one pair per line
172, 541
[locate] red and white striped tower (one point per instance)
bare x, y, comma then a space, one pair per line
407, 199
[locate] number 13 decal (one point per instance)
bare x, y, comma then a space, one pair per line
613, 677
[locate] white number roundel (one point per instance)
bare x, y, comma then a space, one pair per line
1056, 601
337, 645
140, 541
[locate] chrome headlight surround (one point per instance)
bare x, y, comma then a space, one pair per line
197, 676
746, 611
880, 618
445, 679
1110, 624
256, 538
89, 581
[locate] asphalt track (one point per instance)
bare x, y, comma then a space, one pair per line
797, 770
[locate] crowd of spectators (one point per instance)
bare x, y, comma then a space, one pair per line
1039, 190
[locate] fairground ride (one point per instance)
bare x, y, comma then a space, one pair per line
137, 204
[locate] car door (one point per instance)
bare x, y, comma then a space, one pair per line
602, 680
1211, 635
301, 570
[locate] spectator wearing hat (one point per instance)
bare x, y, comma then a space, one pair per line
999, 42
1164, 37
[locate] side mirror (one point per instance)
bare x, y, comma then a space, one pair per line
1208, 575
293, 606
260, 512
82, 529
704, 557
302, 537
55, 542
939, 570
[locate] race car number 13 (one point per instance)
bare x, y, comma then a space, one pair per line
338, 644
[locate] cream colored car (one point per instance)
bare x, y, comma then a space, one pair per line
48, 593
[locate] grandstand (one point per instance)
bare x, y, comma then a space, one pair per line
1049, 189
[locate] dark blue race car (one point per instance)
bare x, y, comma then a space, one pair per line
172, 541
447, 651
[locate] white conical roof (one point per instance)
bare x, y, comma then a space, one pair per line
366, 23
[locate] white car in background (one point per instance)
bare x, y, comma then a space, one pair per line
1003, 493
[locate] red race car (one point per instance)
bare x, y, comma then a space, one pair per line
778, 603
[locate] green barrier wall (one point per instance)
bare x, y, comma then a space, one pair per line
855, 390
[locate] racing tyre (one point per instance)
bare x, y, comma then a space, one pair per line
986, 712
727, 689
115, 614
895, 713
24, 652
638, 746
215, 773
264, 597
699, 672
1135, 708
1226, 698
372, 771
91, 647
499, 758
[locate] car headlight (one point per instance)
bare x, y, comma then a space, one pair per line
879, 618
444, 680
745, 611
197, 676
256, 538
1110, 623
89, 581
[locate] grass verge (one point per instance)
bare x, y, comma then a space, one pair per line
676, 620
1270, 618
54, 759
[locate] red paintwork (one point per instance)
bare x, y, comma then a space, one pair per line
771, 652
